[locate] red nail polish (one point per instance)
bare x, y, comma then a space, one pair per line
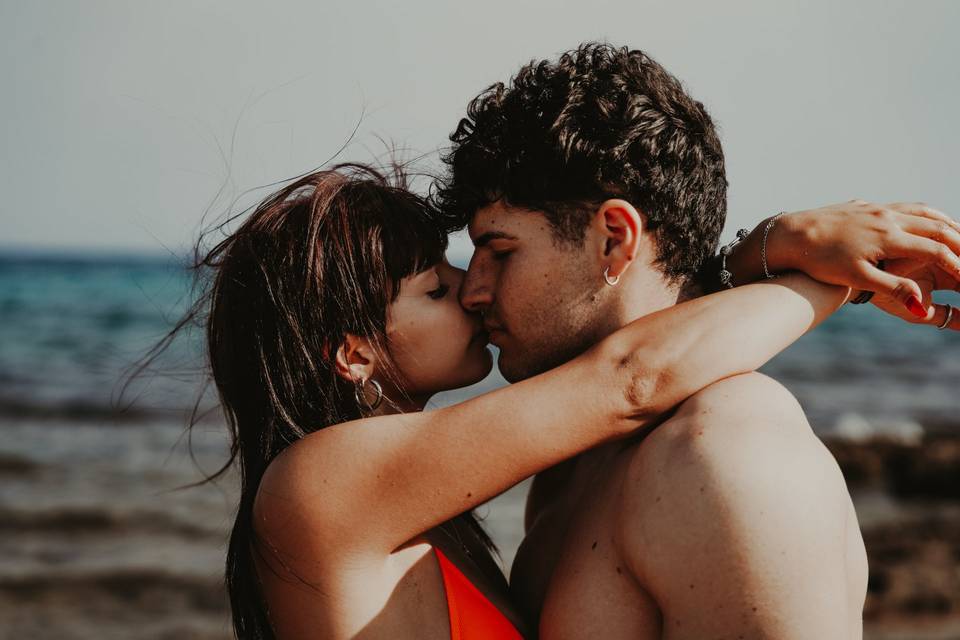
916, 307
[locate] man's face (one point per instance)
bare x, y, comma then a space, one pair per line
541, 299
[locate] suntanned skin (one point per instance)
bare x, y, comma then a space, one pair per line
346, 517
730, 519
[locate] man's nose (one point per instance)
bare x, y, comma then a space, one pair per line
476, 294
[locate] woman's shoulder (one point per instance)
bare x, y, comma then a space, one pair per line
312, 488
293, 503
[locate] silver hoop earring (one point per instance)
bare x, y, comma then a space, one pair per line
606, 277
361, 396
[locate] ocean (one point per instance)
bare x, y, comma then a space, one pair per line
97, 537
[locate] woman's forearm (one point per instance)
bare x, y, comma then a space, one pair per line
682, 349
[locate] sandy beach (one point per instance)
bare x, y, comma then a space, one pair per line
102, 546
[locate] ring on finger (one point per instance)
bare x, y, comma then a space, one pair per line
947, 318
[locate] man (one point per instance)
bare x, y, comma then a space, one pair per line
595, 192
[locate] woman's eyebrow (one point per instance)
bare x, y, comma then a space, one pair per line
485, 238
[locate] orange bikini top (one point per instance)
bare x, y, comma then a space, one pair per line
472, 616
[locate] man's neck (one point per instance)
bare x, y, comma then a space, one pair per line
647, 293
644, 296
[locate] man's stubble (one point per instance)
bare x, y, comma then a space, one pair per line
560, 321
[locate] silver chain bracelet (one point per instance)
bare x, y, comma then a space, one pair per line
763, 245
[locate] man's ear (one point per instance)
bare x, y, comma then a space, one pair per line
355, 360
620, 227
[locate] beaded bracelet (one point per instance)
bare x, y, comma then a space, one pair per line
725, 276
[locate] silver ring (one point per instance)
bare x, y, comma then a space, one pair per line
606, 277
949, 317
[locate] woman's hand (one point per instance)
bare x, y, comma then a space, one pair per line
843, 243
930, 278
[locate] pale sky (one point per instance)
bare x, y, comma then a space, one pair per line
114, 113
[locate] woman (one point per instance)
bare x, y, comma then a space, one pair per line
331, 320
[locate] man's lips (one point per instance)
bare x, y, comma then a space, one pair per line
493, 331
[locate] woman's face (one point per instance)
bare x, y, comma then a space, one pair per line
433, 341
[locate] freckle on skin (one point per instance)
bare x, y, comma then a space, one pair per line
469, 495
618, 570
594, 545
658, 498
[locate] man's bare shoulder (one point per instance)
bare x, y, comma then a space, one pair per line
725, 423
734, 485
734, 515
728, 453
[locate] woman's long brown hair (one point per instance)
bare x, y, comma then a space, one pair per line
318, 259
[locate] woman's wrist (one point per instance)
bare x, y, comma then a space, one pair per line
796, 247
786, 241
768, 250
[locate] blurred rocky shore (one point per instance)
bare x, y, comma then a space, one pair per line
907, 495
99, 544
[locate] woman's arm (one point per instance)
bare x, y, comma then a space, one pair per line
369, 486
843, 243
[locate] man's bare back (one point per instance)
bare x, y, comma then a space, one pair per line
730, 520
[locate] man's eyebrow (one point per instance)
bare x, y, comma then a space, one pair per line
485, 238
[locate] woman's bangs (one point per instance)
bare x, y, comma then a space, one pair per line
412, 241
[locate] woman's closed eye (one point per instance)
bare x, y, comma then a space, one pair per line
439, 292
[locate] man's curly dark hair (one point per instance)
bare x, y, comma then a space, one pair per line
600, 122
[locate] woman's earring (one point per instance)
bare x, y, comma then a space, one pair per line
606, 277
362, 398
